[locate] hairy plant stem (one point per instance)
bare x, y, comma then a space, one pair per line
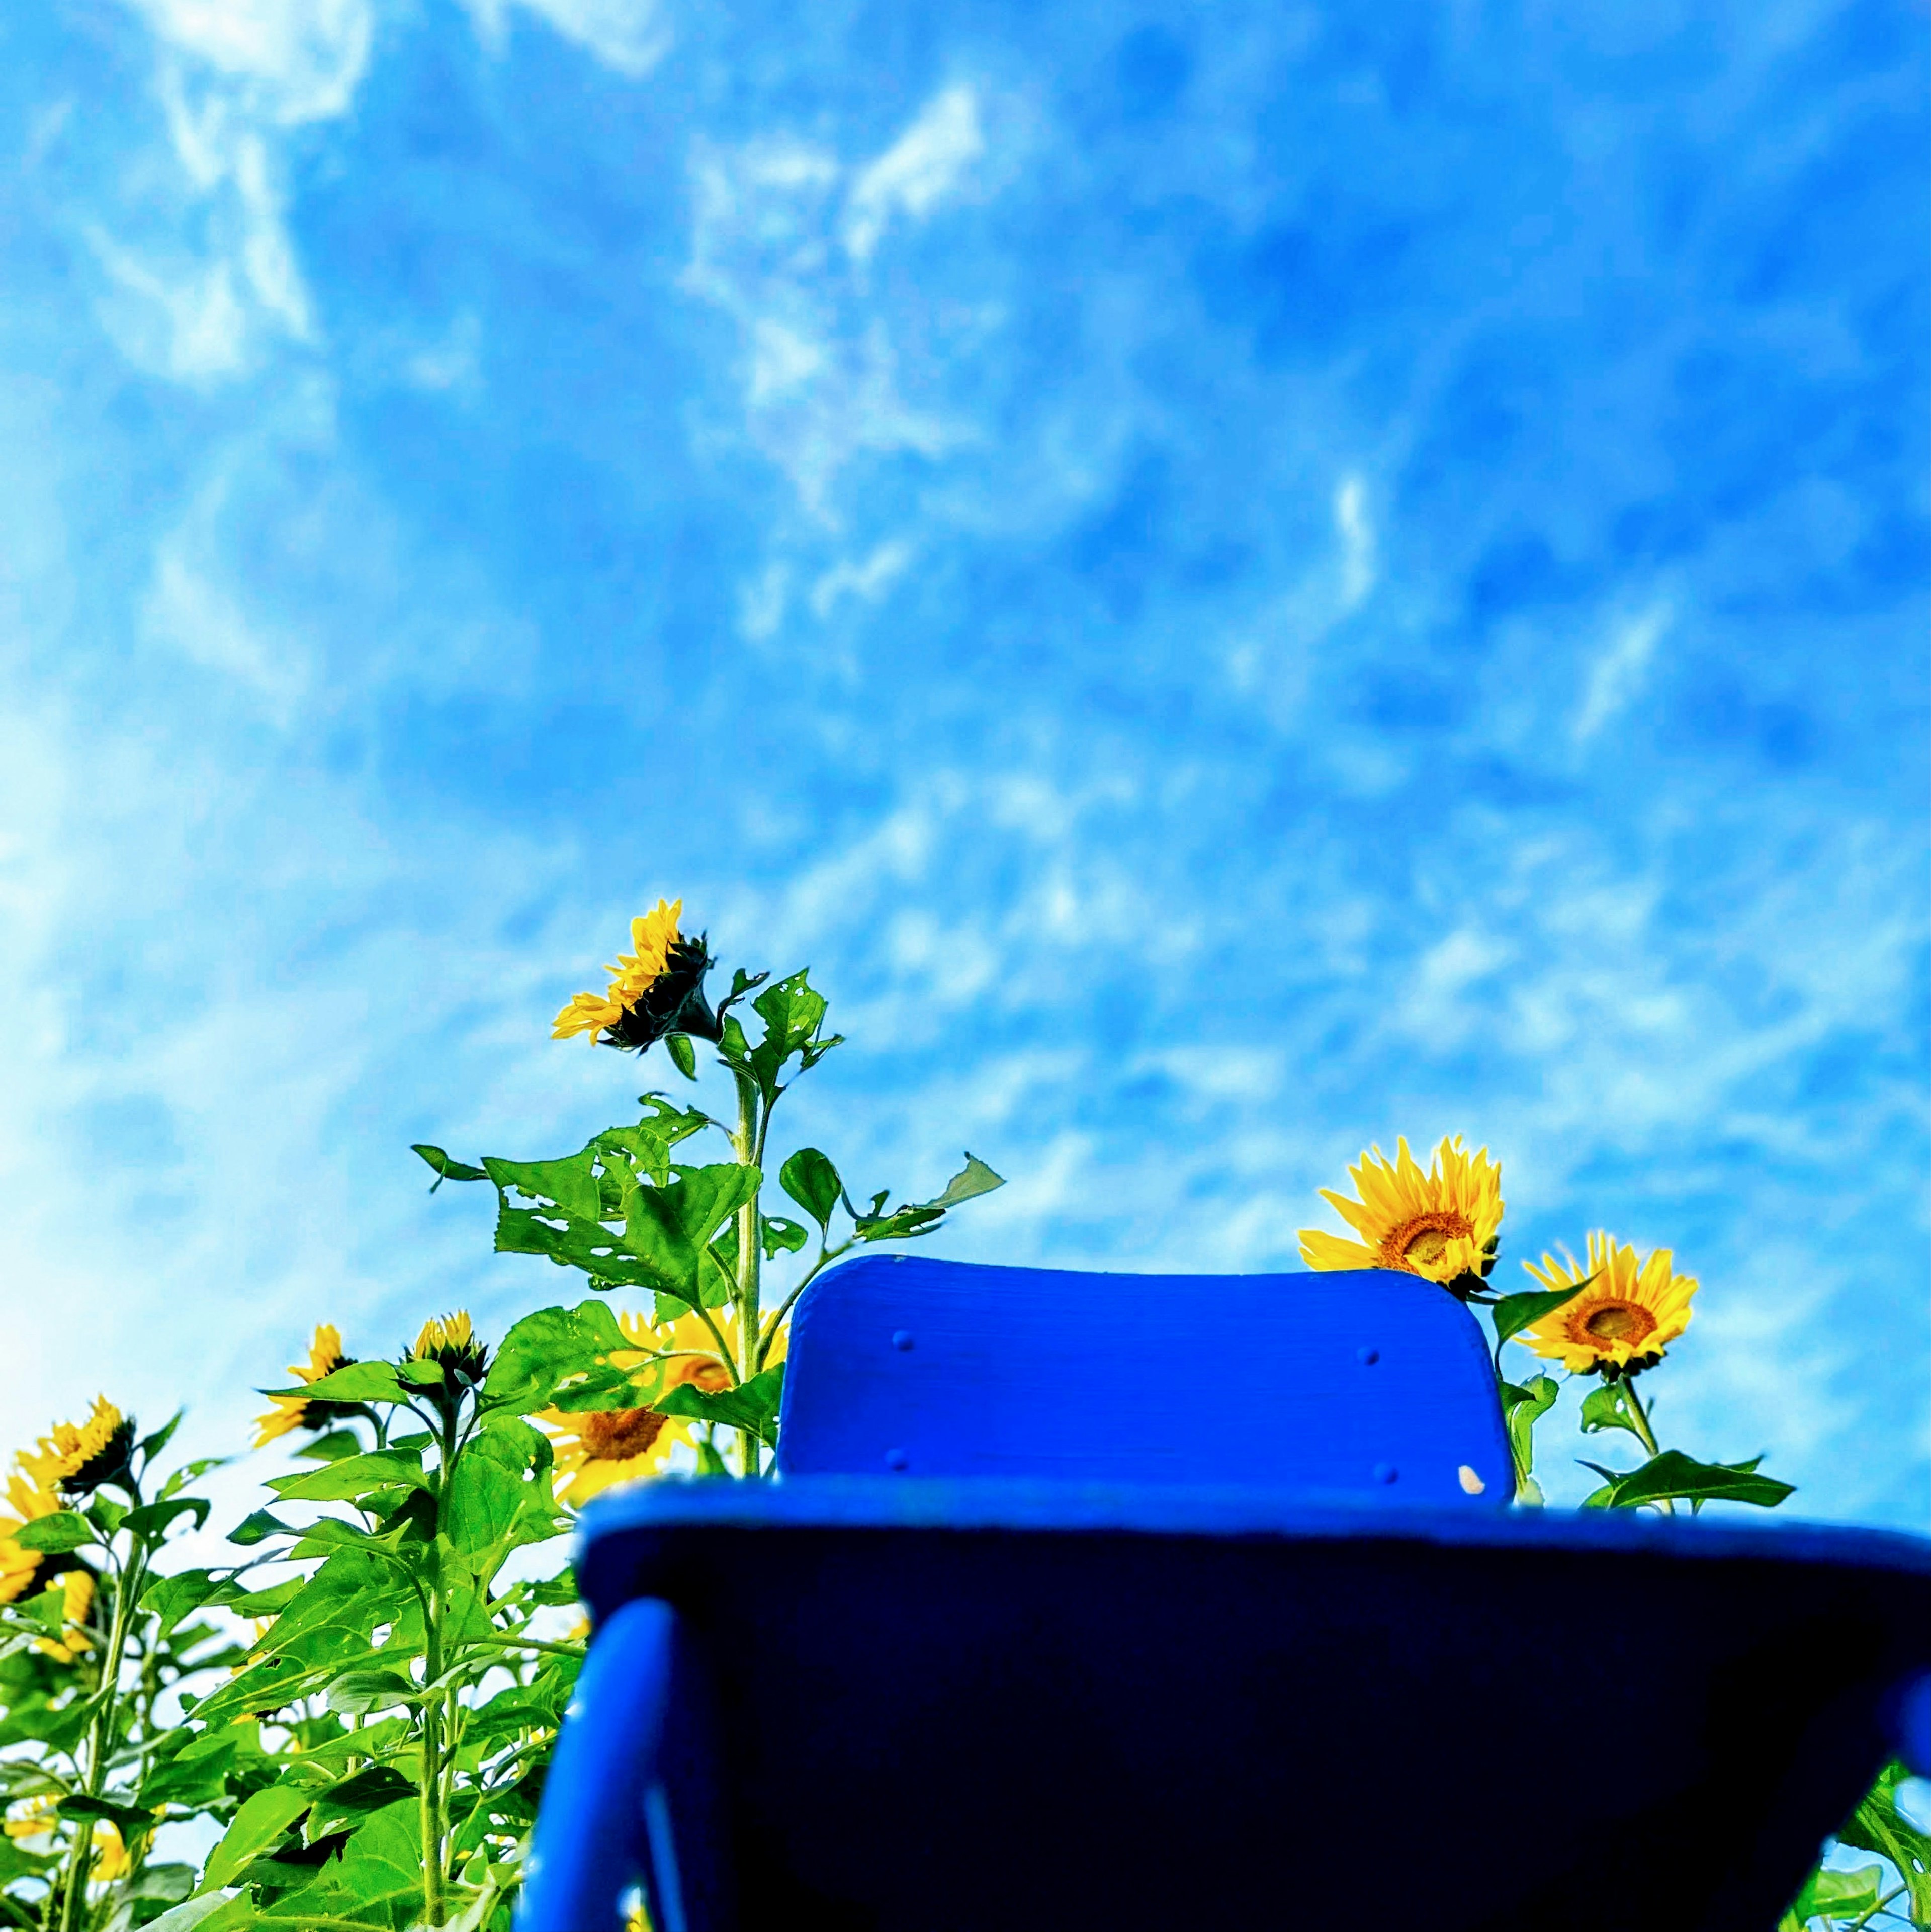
1640, 1417
101, 1732
431, 1799
747, 1143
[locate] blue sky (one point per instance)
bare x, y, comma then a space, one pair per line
1237, 582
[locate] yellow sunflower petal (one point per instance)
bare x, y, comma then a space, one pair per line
1437, 1222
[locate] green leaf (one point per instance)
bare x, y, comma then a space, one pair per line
1608, 1407
1839, 1895
753, 1405
545, 1348
259, 1527
369, 1789
191, 1472
55, 1534
259, 1825
377, 1881
1878, 1826
352, 1592
331, 1447
780, 1237
193, 1915
170, 1598
1677, 1478
485, 1496
360, 1381
974, 1178
353, 1477
792, 1012
569, 1185
130, 1820
666, 1227
901, 1224
1512, 1313
1523, 1404
355, 1693
151, 1520
813, 1182
602, 1389
683, 1055
195, 1777
151, 1445
446, 1169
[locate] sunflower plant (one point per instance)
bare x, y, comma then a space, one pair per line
374, 1741
704, 1367
96, 1660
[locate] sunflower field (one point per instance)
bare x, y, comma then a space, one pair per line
343, 1723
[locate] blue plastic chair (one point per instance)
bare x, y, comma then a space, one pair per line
1118, 1602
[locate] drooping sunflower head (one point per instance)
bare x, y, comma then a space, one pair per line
1443, 1224
600, 1448
300, 1412
1622, 1321
657, 989
449, 1341
77, 1458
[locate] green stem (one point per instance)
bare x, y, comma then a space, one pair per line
1640, 1417
747, 1143
430, 1819
101, 1731
576, 1650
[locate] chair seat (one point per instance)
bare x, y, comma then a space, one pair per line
993, 1705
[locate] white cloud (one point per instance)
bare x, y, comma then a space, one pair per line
1616, 674
212, 280
1357, 541
781, 231
629, 36
925, 166
868, 579
291, 61
190, 611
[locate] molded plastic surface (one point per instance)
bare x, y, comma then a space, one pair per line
1028, 1707
1373, 1384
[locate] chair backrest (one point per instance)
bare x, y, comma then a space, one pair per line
1365, 1384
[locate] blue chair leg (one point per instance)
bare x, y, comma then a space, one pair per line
631, 1796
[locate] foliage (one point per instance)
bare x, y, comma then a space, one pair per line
365, 1698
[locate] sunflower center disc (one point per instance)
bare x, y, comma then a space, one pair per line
1430, 1245
1620, 1322
616, 1435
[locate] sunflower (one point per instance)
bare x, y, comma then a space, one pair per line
1443, 1225
657, 990
111, 1858
26, 1500
33, 1817
450, 1342
1622, 1321
76, 1587
78, 1459
600, 1448
300, 1412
